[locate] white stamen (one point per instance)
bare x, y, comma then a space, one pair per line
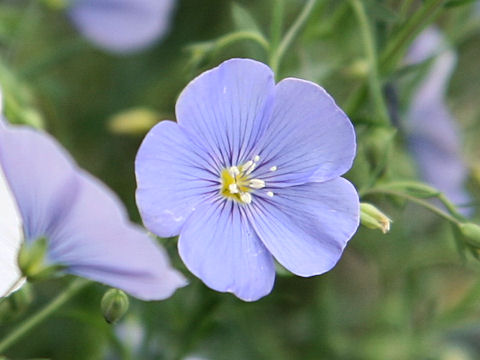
247, 165
250, 169
233, 171
233, 188
257, 184
246, 198
269, 193
256, 158
273, 168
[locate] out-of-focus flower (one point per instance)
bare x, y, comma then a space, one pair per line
122, 26
43, 194
432, 132
250, 172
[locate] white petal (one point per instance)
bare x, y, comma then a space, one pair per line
11, 237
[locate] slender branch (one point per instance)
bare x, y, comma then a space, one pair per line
24, 327
242, 35
413, 199
394, 52
408, 31
279, 52
277, 23
371, 54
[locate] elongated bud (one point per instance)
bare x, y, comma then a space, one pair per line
471, 232
373, 218
114, 305
32, 260
136, 121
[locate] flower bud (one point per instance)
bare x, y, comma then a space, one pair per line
373, 218
133, 121
114, 305
471, 232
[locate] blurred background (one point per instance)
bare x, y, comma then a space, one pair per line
413, 293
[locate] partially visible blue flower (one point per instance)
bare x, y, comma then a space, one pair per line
432, 131
122, 26
43, 194
251, 172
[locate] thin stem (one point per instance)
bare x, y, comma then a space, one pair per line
408, 31
405, 8
278, 53
24, 327
394, 52
277, 23
413, 199
241, 35
371, 54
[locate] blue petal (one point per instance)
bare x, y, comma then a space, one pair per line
306, 227
309, 137
226, 109
173, 176
98, 242
41, 175
218, 245
433, 135
122, 25
86, 225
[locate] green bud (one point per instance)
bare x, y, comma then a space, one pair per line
373, 218
31, 260
471, 232
133, 121
114, 305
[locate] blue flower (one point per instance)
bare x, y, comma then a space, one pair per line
122, 26
43, 194
433, 134
249, 173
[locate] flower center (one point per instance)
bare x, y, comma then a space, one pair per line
237, 182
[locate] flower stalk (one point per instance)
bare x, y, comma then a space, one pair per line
24, 327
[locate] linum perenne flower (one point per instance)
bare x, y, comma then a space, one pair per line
250, 172
44, 195
121, 26
432, 130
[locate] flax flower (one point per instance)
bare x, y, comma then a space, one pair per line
43, 194
122, 26
250, 173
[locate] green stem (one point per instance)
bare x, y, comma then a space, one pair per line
405, 8
371, 54
278, 53
277, 23
409, 30
24, 327
413, 199
394, 52
241, 35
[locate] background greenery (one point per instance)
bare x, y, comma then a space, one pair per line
409, 294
